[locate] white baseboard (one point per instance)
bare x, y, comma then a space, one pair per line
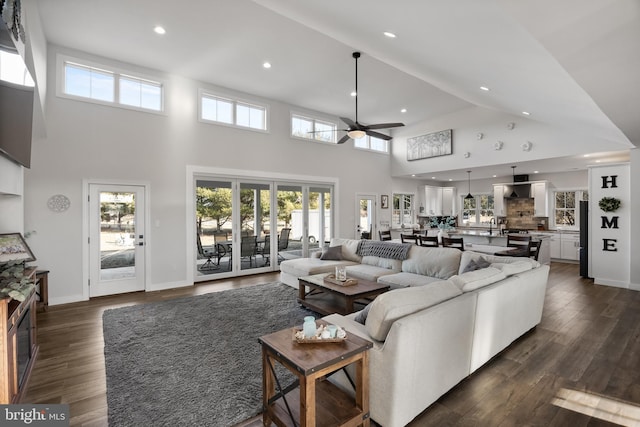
611, 282
66, 300
167, 285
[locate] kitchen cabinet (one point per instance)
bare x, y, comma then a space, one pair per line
499, 208
570, 247
565, 246
554, 246
539, 194
448, 200
439, 201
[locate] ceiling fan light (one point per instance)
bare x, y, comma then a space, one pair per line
356, 134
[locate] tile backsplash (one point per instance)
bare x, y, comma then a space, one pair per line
520, 215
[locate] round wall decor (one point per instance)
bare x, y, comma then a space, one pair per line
609, 204
58, 203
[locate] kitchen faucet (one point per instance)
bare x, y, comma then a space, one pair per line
492, 221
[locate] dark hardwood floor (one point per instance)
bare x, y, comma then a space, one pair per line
579, 367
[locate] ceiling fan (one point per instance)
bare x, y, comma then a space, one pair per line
356, 129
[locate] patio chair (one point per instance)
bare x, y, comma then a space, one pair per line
265, 249
283, 241
207, 253
249, 248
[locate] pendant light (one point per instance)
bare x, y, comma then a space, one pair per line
469, 196
513, 193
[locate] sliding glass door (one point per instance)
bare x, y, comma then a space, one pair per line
238, 231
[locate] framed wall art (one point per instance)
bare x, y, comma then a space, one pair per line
430, 145
384, 201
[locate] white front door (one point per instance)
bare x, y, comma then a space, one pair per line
365, 216
116, 239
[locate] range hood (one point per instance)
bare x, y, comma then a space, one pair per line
518, 191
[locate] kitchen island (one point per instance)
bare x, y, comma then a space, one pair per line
492, 242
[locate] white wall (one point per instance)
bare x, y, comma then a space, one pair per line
89, 141
547, 142
11, 190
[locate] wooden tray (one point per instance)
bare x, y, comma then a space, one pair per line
331, 278
315, 340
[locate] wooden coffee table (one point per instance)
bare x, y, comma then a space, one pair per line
327, 298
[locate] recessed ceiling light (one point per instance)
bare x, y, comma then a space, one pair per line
159, 30
389, 34
587, 155
598, 161
536, 171
267, 64
413, 174
526, 113
404, 110
433, 177
495, 176
353, 93
450, 179
484, 88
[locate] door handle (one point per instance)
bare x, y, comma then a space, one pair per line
141, 244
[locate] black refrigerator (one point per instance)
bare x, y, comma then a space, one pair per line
584, 238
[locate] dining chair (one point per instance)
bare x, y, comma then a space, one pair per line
453, 242
409, 238
428, 241
518, 240
385, 235
534, 249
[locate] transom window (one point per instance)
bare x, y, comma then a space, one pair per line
219, 109
111, 87
566, 205
478, 210
13, 69
373, 144
314, 129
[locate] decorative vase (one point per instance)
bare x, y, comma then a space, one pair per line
442, 234
309, 327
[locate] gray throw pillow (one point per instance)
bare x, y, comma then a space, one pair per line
361, 317
476, 265
332, 253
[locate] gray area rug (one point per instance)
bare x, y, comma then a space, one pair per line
193, 361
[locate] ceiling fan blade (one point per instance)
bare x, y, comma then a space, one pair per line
377, 135
384, 125
349, 122
328, 130
343, 139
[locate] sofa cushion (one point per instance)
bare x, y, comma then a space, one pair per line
467, 256
332, 253
308, 266
441, 263
396, 304
390, 264
476, 264
475, 279
349, 248
367, 272
405, 280
509, 269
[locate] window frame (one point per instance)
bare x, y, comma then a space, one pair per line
235, 102
478, 208
368, 147
313, 119
118, 73
407, 210
27, 79
578, 196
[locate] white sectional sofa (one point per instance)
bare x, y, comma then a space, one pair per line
438, 324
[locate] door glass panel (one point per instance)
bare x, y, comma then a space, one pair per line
117, 235
290, 226
255, 209
213, 227
319, 218
363, 227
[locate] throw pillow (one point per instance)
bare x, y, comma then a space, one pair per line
361, 317
332, 253
476, 265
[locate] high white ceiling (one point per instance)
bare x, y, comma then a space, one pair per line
574, 64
